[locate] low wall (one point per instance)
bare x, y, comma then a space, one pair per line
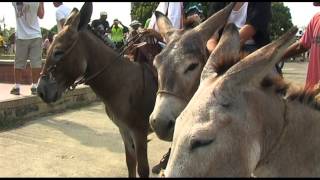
6, 72
24, 108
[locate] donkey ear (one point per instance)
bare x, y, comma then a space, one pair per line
71, 16
257, 65
164, 24
225, 54
216, 21
85, 15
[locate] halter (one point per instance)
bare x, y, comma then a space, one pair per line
172, 94
277, 143
84, 79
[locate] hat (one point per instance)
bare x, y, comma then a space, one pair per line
103, 13
135, 22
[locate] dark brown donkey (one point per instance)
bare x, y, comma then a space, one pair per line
127, 88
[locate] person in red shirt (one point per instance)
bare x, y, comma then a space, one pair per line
309, 41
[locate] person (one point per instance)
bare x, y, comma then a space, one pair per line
28, 42
174, 12
46, 44
118, 33
310, 40
193, 14
101, 25
62, 14
252, 20
135, 25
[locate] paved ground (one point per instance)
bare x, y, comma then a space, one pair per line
295, 72
80, 143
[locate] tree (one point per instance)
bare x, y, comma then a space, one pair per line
44, 31
281, 20
141, 11
54, 29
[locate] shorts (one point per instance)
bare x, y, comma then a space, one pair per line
28, 49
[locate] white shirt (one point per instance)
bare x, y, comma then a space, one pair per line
27, 20
173, 11
62, 13
239, 18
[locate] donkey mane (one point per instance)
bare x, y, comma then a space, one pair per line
291, 93
95, 33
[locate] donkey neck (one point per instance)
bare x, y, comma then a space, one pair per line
296, 152
98, 56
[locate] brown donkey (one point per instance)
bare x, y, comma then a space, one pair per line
241, 122
179, 66
127, 88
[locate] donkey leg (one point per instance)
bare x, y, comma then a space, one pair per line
140, 141
131, 158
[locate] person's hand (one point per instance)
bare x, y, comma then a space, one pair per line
194, 17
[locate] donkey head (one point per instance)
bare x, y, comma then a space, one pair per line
179, 66
219, 132
66, 61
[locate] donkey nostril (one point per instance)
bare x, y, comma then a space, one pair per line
170, 124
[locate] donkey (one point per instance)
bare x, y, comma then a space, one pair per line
179, 66
241, 122
128, 89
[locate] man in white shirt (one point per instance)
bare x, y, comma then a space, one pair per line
61, 14
28, 42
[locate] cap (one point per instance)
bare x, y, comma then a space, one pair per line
135, 22
103, 13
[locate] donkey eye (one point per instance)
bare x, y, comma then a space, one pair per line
226, 104
196, 143
57, 55
191, 67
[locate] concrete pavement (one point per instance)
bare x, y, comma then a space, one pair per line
77, 143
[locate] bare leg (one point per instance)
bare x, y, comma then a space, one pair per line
17, 75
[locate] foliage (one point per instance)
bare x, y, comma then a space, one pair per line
44, 32
141, 11
54, 29
281, 20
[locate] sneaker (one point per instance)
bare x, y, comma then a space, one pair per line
33, 90
162, 164
15, 91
